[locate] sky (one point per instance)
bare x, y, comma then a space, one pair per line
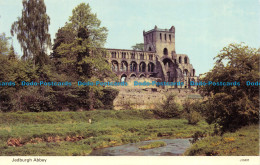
203, 27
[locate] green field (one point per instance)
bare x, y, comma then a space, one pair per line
69, 133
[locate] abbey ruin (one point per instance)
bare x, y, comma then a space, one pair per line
158, 62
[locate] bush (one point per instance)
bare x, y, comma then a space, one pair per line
193, 111
193, 117
169, 108
109, 96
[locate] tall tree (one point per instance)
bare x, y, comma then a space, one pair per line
236, 105
4, 45
82, 17
32, 31
78, 52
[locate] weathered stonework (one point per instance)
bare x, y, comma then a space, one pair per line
158, 62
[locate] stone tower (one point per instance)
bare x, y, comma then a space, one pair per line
161, 41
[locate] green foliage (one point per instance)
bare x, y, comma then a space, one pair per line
4, 45
232, 107
108, 97
32, 31
243, 142
169, 108
138, 46
197, 136
78, 53
193, 111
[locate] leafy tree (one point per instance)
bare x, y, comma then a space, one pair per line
12, 55
231, 107
32, 31
138, 46
4, 45
78, 52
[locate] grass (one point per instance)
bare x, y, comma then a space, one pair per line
243, 142
153, 145
69, 133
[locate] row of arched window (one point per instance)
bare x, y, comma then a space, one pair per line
133, 67
132, 55
165, 37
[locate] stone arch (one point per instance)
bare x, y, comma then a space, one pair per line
185, 72
151, 67
133, 75
124, 66
168, 64
165, 51
133, 66
179, 72
180, 60
150, 49
142, 67
151, 75
169, 69
142, 75
114, 65
123, 78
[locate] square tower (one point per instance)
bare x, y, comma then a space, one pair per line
161, 41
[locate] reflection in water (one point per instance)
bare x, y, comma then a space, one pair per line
174, 147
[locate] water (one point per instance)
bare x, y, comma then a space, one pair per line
174, 147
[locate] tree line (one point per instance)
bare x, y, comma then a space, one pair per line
76, 56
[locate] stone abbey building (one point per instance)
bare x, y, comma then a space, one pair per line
158, 62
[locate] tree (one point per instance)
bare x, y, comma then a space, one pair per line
4, 45
78, 50
12, 55
232, 107
83, 18
138, 46
32, 31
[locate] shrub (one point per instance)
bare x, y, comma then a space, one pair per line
193, 111
193, 117
169, 108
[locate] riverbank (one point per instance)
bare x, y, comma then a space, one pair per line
243, 142
70, 133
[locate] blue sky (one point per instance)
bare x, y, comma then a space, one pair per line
203, 27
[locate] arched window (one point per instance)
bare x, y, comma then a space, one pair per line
124, 66
165, 37
185, 72
185, 60
142, 67
180, 60
123, 78
150, 49
114, 66
160, 36
165, 51
133, 66
151, 67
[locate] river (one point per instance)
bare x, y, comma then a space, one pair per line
174, 147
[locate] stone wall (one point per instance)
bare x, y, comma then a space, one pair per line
148, 98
